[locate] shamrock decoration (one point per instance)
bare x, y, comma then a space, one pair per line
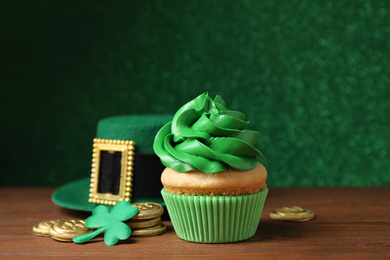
111, 222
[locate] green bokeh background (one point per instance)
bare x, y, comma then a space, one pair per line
312, 76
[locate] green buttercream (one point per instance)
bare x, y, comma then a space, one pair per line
204, 135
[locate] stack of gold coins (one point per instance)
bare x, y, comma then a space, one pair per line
42, 228
66, 230
294, 214
61, 230
148, 220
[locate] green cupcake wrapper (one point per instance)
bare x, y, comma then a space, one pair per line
215, 219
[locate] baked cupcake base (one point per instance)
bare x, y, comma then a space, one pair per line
215, 219
231, 182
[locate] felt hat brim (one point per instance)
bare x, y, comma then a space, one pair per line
75, 195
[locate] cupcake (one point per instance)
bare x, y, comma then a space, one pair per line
214, 186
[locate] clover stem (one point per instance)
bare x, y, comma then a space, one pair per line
89, 236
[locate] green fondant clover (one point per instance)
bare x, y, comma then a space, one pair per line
111, 222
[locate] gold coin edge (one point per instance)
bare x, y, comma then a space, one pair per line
151, 231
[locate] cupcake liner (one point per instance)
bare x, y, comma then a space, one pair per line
215, 219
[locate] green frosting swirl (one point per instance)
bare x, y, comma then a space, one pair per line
204, 135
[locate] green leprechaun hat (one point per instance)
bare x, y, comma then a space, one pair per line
124, 166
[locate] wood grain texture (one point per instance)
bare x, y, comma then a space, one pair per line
349, 223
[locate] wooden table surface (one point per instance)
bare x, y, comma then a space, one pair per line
350, 223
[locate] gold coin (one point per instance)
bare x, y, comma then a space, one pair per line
136, 223
42, 228
66, 230
150, 231
148, 210
295, 214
